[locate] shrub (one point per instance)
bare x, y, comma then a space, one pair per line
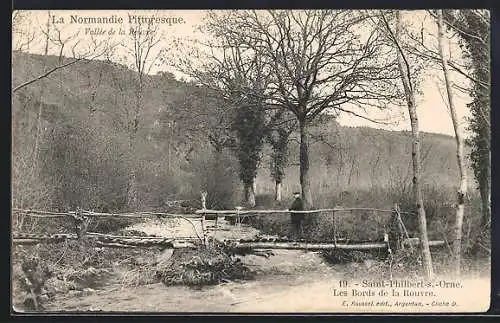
367, 225
403, 264
342, 256
355, 225
31, 282
205, 265
83, 264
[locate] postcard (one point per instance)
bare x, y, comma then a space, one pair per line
251, 161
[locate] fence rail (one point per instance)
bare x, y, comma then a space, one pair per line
197, 213
257, 212
92, 214
82, 219
105, 240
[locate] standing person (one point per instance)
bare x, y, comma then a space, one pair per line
297, 218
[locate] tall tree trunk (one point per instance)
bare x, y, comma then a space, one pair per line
278, 190
38, 132
474, 31
305, 180
132, 185
462, 191
250, 194
132, 190
417, 190
351, 172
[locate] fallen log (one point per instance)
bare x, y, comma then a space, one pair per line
116, 245
30, 239
325, 246
110, 236
416, 241
310, 246
26, 241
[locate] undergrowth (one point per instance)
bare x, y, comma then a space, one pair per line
205, 265
368, 225
73, 266
43, 271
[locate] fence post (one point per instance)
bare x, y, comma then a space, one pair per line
389, 252
203, 228
395, 229
81, 224
203, 207
238, 220
204, 200
334, 228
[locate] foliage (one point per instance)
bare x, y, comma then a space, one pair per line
32, 281
316, 43
365, 225
249, 127
80, 149
215, 174
278, 160
203, 266
68, 266
473, 28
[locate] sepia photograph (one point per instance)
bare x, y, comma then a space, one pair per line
250, 161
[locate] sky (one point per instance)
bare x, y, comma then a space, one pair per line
432, 110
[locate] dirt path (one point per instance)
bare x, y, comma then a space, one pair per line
297, 293
290, 281
286, 269
230, 297
283, 276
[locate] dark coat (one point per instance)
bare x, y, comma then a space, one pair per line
297, 206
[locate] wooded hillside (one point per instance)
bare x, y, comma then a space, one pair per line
84, 159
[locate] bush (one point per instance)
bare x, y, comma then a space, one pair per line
354, 226
47, 225
342, 256
30, 281
206, 265
403, 264
368, 225
217, 174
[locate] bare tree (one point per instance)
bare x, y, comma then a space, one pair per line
470, 28
462, 191
30, 188
62, 41
317, 61
143, 49
23, 33
240, 77
69, 51
202, 113
409, 88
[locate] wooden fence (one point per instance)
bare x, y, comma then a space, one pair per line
398, 238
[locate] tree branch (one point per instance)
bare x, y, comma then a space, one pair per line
44, 75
